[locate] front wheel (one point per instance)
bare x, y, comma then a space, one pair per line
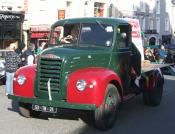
25, 110
105, 115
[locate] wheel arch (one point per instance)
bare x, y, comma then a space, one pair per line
149, 79
27, 89
100, 77
118, 86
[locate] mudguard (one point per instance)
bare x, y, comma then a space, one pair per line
26, 90
97, 80
150, 79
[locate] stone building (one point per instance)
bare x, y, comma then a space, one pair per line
155, 16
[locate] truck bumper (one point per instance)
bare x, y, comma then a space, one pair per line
58, 104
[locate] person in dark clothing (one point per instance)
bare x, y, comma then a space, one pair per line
12, 61
28, 57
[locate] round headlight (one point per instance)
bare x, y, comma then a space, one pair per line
81, 85
21, 79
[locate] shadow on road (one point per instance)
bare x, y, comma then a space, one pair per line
14, 107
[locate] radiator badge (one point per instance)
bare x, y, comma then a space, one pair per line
50, 56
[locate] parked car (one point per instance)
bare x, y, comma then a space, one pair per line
2, 66
2, 72
171, 51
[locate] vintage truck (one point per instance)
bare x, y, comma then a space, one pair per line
94, 73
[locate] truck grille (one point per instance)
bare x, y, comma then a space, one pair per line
50, 69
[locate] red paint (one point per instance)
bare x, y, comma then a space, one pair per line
135, 28
151, 82
41, 34
26, 90
95, 95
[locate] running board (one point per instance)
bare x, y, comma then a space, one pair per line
128, 97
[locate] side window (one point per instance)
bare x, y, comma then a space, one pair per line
56, 34
65, 34
124, 36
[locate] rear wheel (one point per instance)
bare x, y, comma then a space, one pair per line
152, 97
105, 115
25, 110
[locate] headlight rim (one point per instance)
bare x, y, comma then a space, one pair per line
83, 84
19, 78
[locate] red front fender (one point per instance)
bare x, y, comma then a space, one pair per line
97, 80
26, 90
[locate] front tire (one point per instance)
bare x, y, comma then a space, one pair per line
105, 115
25, 110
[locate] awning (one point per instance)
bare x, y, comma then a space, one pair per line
37, 28
40, 34
40, 31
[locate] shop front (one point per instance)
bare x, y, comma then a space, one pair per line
10, 28
39, 34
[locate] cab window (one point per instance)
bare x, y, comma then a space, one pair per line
124, 36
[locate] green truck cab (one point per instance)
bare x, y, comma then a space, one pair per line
91, 65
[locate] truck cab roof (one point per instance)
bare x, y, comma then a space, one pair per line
112, 21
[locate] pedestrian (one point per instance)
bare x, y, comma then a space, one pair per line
12, 61
28, 57
41, 47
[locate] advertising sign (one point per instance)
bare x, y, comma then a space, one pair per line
136, 35
10, 17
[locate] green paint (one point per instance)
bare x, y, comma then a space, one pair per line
69, 58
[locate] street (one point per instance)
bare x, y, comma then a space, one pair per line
133, 118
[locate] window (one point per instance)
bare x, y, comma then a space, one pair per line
134, 7
61, 14
86, 8
167, 24
97, 34
68, 9
158, 24
10, 30
151, 24
124, 36
158, 7
98, 9
90, 34
143, 7
152, 5
65, 34
142, 20
1, 31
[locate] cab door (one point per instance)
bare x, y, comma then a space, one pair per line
123, 53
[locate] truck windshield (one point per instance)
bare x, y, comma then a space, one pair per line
85, 34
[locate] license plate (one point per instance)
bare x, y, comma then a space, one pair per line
47, 109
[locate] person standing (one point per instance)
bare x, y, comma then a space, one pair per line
12, 61
28, 57
41, 47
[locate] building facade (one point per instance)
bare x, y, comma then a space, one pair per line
155, 16
42, 13
11, 24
